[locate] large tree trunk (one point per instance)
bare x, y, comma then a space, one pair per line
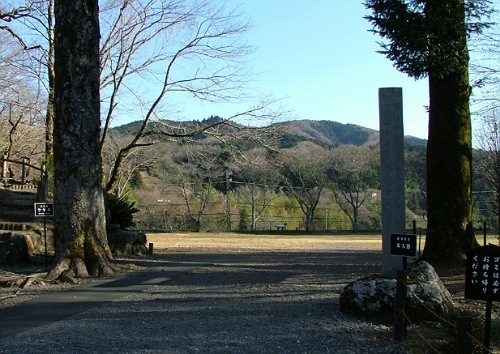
80, 226
449, 147
449, 171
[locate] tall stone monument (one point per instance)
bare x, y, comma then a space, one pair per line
392, 174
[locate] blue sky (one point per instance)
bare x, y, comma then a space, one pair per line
321, 59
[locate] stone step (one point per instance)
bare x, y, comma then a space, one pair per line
22, 187
7, 226
7, 195
23, 196
16, 216
20, 205
17, 210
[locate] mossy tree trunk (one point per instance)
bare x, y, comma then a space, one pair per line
80, 226
449, 147
449, 170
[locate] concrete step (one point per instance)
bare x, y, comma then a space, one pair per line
20, 205
7, 195
23, 187
16, 206
16, 216
8, 226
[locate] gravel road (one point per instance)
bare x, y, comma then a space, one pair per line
252, 295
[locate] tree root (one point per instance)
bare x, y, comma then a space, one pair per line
10, 296
70, 270
20, 281
56, 272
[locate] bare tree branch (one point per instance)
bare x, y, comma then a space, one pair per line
198, 54
14, 14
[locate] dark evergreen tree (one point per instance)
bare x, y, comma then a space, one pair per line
428, 38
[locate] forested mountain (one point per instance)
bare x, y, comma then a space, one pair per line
323, 132
333, 133
306, 174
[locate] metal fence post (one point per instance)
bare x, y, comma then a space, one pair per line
464, 341
400, 306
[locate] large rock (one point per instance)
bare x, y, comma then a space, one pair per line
374, 295
127, 242
15, 248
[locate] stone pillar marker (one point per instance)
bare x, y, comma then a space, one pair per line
392, 174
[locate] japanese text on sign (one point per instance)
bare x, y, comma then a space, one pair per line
482, 276
44, 209
404, 245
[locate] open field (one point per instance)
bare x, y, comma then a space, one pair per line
233, 242
236, 242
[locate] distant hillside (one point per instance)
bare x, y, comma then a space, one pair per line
323, 132
333, 133
411, 140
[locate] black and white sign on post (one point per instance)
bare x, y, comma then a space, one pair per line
482, 273
404, 245
44, 210
482, 281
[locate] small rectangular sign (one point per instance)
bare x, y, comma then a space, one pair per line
404, 245
44, 209
482, 273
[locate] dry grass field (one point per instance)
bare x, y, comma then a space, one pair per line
235, 242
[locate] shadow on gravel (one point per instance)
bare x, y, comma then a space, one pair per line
268, 267
357, 259
251, 303
261, 302
360, 258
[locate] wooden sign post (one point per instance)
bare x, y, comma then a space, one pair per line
482, 281
44, 210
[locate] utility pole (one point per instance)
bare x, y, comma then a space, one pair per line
228, 202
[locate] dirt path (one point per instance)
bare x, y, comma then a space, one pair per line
253, 294
241, 294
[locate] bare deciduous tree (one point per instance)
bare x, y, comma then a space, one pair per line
21, 102
8, 14
204, 170
485, 69
34, 31
304, 169
259, 179
489, 163
353, 170
193, 49
148, 50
